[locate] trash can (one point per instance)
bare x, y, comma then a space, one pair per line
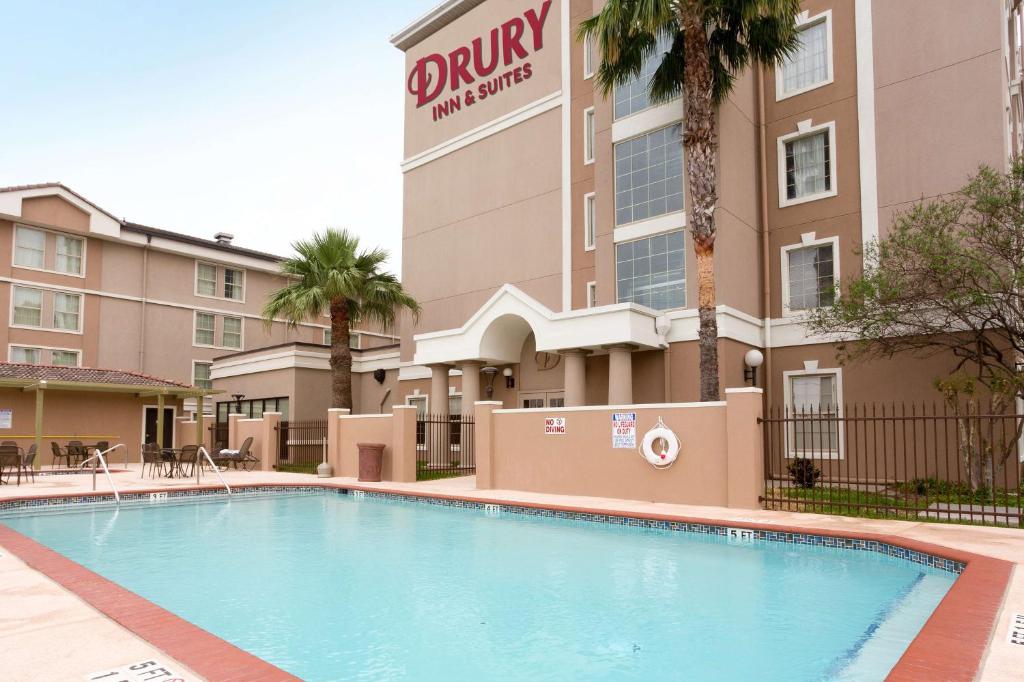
371, 456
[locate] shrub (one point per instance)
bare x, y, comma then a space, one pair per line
804, 472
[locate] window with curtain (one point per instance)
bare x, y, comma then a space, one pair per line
808, 165
652, 271
649, 175
66, 311
201, 375
64, 358
231, 337
206, 279
808, 65
814, 403
205, 328
29, 247
28, 307
69, 254
811, 277
589, 135
233, 284
27, 356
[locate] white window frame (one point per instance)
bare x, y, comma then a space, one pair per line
589, 136
806, 129
195, 327
358, 338
326, 337
224, 281
53, 270
201, 362
219, 280
588, 57
57, 254
80, 313
589, 221
425, 397
811, 369
591, 294
241, 332
807, 240
44, 349
10, 353
804, 21
200, 264
42, 306
660, 311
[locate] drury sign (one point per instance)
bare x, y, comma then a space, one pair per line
473, 65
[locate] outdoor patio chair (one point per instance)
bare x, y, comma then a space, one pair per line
153, 458
187, 458
59, 453
103, 446
28, 462
76, 452
241, 456
10, 461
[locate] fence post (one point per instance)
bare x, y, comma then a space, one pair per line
334, 438
271, 442
403, 443
744, 447
484, 441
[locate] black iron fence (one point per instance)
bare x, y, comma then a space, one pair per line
444, 446
916, 462
301, 444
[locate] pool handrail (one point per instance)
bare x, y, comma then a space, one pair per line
103, 460
206, 454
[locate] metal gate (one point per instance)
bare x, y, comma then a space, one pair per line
301, 445
444, 446
218, 436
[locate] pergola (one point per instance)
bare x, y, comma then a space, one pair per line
41, 379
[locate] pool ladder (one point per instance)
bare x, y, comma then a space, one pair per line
213, 466
106, 470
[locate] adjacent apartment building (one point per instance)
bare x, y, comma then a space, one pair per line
85, 288
545, 227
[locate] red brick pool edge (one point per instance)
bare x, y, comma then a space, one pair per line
950, 646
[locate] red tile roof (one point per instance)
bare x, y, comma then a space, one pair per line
85, 375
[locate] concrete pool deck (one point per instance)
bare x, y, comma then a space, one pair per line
32, 605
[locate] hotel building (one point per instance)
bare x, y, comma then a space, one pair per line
87, 289
545, 225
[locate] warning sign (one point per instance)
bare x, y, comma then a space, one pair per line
554, 426
624, 430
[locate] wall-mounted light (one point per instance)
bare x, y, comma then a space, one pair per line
510, 381
490, 373
238, 401
379, 375
752, 360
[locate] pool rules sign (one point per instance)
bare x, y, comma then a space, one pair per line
624, 430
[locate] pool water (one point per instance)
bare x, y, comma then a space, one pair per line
329, 587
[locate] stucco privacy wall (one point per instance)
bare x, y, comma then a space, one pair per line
397, 432
720, 461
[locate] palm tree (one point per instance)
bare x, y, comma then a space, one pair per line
329, 273
712, 42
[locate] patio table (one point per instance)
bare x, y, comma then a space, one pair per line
170, 456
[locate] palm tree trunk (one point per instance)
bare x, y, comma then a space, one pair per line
341, 356
700, 139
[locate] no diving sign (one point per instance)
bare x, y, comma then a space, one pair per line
624, 430
554, 426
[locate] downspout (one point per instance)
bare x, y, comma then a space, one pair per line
145, 292
766, 284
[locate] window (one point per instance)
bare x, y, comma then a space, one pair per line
811, 276
807, 164
28, 307
589, 141
810, 66
589, 221
634, 96
201, 375
29, 247
233, 280
66, 309
651, 271
327, 337
591, 294
353, 341
27, 356
813, 399
69, 255
64, 358
206, 279
205, 326
588, 56
649, 175
231, 337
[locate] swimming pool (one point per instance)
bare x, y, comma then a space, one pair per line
328, 586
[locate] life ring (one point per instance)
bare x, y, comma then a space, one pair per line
663, 457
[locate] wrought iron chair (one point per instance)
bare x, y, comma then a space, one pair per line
28, 462
59, 453
187, 458
10, 460
153, 458
76, 452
